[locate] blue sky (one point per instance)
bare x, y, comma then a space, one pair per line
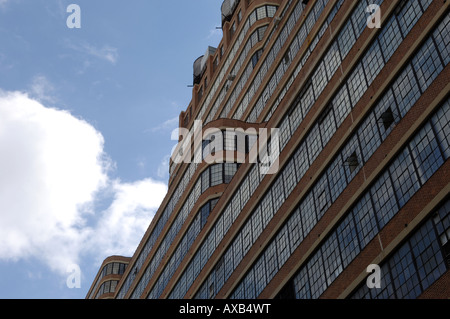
86, 117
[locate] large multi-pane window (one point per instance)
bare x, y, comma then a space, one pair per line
414, 266
115, 268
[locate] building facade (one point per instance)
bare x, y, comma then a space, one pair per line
315, 149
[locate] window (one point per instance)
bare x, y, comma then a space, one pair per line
407, 15
425, 153
386, 114
385, 203
369, 136
287, 58
215, 63
346, 39
289, 176
227, 220
331, 258
442, 37
406, 91
283, 248
205, 180
348, 240
253, 178
252, 18
204, 212
427, 64
216, 174
352, 158
285, 132
249, 286
332, 59
261, 12
316, 275
359, 17
228, 262
357, 84
270, 257
247, 239
314, 143
236, 205
390, 38
230, 170
427, 254
295, 230
441, 122
232, 29
442, 222
266, 208
244, 190
387, 118
255, 57
307, 95
302, 286
327, 124
373, 62
295, 115
366, 224
352, 162
319, 79
271, 11
342, 105
260, 275
308, 213
404, 274
404, 178
237, 250
336, 178
229, 140
322, 196
278, 193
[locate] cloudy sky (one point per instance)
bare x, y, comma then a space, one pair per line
86, 117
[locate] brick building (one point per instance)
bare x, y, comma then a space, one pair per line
362, 115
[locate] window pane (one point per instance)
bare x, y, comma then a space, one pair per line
384, 199
428, 256
426, 154
404, 274
427, 64
348, 240
404, 178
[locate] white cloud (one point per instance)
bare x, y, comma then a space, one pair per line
163, 168
123, 224
52, 170
215, 35
170, 124
42, 89
106, 52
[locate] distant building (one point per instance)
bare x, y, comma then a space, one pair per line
108, 277
362, 177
